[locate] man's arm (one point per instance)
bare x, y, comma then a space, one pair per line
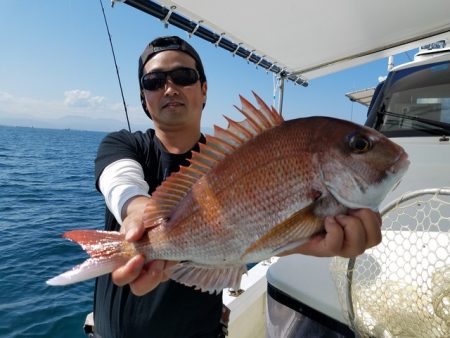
142, 277
125, 190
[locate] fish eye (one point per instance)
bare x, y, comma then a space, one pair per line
359, 144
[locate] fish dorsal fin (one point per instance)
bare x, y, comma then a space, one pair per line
217, 147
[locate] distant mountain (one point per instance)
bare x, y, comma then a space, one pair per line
95, 124
71, 122
79, 123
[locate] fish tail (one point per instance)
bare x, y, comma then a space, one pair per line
107, 250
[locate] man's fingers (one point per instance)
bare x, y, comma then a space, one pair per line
371, 221
128, 272
324, 245
354, 236
334, 238
151, 275
135, 233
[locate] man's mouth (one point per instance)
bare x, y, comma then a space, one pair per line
172, 104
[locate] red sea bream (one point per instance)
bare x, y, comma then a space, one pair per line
256, 189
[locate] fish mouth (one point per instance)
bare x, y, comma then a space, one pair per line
401, 164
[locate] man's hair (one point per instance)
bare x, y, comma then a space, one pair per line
162, 44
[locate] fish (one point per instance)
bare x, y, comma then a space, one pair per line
256, 189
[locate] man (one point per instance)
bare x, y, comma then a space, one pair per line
138, 299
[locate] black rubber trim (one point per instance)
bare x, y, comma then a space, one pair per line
309, 312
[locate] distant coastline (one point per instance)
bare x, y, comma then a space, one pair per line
71, 122
43, 125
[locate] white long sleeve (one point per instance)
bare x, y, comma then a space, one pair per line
120, 181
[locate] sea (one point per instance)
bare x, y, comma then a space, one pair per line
46, 188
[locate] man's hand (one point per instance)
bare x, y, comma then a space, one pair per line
346, 235
142, 277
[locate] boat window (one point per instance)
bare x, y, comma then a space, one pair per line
413, 98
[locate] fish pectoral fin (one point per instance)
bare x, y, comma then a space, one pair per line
212, 279
293, 232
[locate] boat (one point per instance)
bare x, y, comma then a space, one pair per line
412, 108
296, 296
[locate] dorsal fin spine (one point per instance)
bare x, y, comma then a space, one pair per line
228, 136
165, 205
250, 120
219, 144
183, 179
206, 158
175, 185
167, 195
195, 165
274, 117
200, 164
193, 172
212, 152
233, 124
257, 113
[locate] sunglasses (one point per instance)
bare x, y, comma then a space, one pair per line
179, 76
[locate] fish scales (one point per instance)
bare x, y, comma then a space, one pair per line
240, 199
256, 189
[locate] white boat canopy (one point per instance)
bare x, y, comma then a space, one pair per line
363, 96
302, 40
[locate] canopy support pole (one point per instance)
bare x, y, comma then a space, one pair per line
281, 91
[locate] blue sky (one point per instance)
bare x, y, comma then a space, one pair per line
57, 70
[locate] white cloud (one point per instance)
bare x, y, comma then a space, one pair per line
5, 97
73, 103
82, 98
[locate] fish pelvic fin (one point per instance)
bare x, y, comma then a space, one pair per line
293, 232
107, 249
225, 141
212, 279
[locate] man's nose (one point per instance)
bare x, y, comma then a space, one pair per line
170, 88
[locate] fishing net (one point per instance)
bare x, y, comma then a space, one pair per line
401, 288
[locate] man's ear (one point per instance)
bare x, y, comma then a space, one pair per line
144, 104
204, 88
204, 91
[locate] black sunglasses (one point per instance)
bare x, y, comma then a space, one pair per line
180, 76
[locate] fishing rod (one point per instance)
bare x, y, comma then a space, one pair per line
115, 63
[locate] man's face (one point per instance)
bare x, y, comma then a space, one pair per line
174, 106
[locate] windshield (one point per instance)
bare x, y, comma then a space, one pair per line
411, 98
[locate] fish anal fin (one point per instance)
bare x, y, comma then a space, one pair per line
294, 231
212, 279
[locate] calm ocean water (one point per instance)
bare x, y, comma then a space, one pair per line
46, 188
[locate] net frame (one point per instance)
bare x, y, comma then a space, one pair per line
344, 269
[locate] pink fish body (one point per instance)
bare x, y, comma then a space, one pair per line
259, 188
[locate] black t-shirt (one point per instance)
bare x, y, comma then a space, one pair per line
171, 309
